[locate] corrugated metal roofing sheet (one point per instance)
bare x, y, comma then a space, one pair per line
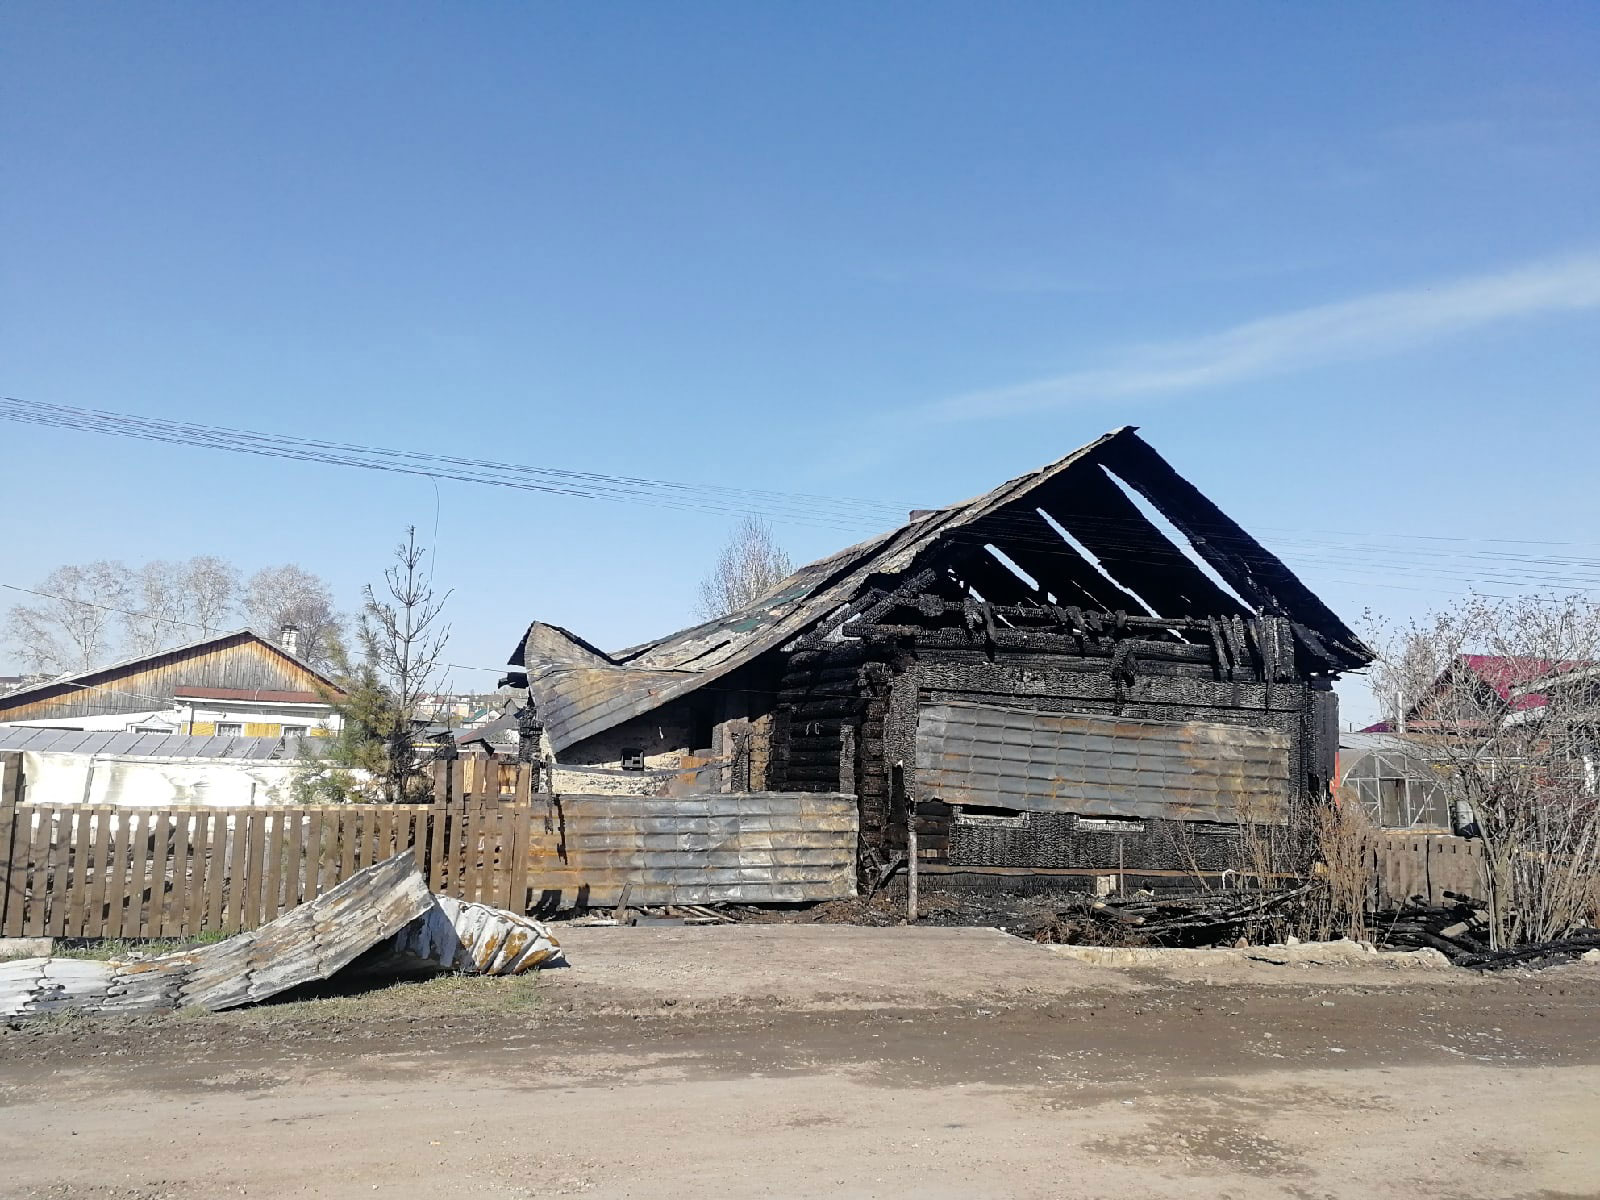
750, 847
144, 745
1100, 766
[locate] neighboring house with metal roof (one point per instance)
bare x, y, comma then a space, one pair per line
67, 766
1474, 688
1056, 675
232, 684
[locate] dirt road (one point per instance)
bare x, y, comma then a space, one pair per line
825, 1060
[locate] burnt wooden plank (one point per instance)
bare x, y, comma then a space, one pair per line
1099, 514
1249, 568
500, 855
460, 823
521, 831
1028, 540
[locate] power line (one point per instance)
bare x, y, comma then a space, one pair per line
801, 508
805, 508
1476, 567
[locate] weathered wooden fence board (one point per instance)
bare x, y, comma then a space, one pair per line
83, 872
1405, 865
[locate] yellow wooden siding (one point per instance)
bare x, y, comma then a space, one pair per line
263, 729
202, 728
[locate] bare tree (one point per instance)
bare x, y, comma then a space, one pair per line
1515, 737
156, 616
211, 587
403, 641
287, 595
750, 566
71, 627
175, 602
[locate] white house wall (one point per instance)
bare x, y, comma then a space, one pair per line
135, 782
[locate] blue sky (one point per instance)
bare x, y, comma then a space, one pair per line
1341, 263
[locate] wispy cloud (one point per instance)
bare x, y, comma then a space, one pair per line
1384, 323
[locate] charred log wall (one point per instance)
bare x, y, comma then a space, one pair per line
847, 719
1066, 840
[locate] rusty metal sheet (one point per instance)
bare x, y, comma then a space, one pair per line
386, 902
1100, 766
747, 847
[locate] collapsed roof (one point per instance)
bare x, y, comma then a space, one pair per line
1068, 534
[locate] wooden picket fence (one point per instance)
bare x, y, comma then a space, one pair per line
81, 871
1407, 865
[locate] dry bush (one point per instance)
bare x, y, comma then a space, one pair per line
1521, 757
1344, 844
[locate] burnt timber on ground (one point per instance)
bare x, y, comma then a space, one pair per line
1040, 678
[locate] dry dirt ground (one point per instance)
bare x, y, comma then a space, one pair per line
825, 1060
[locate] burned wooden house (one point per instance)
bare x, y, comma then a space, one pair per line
1090, 667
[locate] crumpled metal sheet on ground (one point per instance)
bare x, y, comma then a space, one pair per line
388, 900
476, 939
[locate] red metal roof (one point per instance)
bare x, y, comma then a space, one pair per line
1505, 674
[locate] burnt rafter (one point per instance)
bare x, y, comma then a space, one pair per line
991, 578
1027, 539
1248, 567
1132, 550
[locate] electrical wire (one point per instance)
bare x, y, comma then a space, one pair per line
799, 508
1120, 539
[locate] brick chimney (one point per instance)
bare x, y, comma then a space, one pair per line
289, 638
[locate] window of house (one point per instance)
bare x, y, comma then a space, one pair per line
290, 731
151, 729
632, 758
229, 729
702, 729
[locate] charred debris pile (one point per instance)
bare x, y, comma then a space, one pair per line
1459, 930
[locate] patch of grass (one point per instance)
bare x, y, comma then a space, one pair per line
126, 948
439, 998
